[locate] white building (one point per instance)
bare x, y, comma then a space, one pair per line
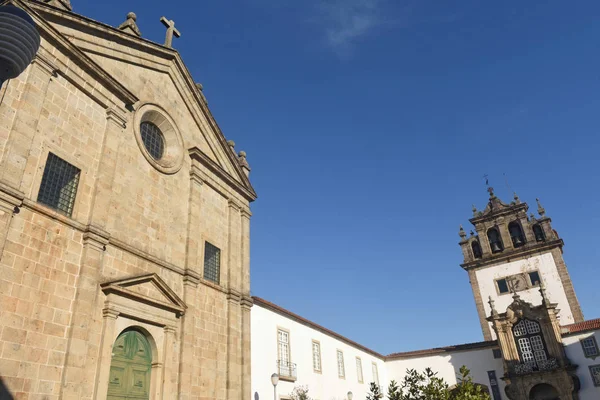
514, 261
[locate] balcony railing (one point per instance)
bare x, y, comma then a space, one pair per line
286, 370
527, 368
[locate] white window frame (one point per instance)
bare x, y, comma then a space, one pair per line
359, 370
289, 349
317, 364
591, 345
375, 372
340, 364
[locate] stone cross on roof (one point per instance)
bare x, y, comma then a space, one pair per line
171, 30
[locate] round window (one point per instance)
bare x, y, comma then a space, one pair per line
153, 139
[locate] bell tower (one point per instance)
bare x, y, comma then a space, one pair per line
510, 251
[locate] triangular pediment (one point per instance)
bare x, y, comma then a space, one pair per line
125, 57
149, 289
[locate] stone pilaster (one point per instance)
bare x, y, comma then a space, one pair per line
245, 256
103, 368
83, 345
506, 240
234, 355
10, 200
485, 326
169, 389
234, 248
113, 134
17, 149
565, 279
246, 349
186, 357
193, 260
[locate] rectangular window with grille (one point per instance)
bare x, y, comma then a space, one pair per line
59, 185
497, 353
359, 373
375, 374
340, 364
595, 372
316, 354
590, 347
212, 262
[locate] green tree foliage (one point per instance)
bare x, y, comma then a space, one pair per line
300, 393
427, 385
374, 392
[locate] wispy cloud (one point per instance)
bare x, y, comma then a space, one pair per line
345, 21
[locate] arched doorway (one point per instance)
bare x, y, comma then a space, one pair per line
130, 367
543, 391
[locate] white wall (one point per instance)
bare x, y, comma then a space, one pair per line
447, 366
322, 386
575, 354
548, 274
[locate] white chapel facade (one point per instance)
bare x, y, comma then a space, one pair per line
125, 251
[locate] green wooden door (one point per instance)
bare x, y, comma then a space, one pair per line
130, 367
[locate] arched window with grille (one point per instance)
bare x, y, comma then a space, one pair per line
495, 240
530, 344
516, 234
476, 249
538, 232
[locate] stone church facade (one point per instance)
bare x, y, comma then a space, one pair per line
124, 223
124, 251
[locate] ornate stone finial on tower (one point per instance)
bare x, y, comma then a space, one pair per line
231, 145
491, 192
471, 233
462, 234
130, 26
171, 31
243, 162
200, 88
532, 217
516, 197
493, 307
474, 210
516, 296
545, 300
541, 211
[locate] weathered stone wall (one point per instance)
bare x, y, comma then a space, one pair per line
59, 315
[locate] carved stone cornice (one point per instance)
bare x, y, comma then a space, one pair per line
11, 195
45, 64
234, 205
246, 212
513, 254
110, 313
116, 117
191, 278
247, 302
234, 295
96, 237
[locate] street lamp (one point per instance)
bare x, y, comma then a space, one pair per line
350, 395
274, 381
19, 41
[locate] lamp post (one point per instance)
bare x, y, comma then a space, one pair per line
274, 381
350, 395
19, 41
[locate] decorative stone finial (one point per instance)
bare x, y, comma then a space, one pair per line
491, 192
130, 26
171, 31
200, 88
471, 233
243, 162
516, 296
541, 211
462, 233
516, 197
532, 217
474, 210
492, 307
231, 143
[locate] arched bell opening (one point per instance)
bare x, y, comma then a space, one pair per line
538, 232
495, 240
516, 234
476, 247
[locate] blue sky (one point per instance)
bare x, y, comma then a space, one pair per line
369, 125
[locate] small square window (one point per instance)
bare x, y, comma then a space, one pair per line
502, 286
595, 372
497, 353
212, 262
59, 185
590, 347
534, 278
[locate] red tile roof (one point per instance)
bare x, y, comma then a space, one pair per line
591, 324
